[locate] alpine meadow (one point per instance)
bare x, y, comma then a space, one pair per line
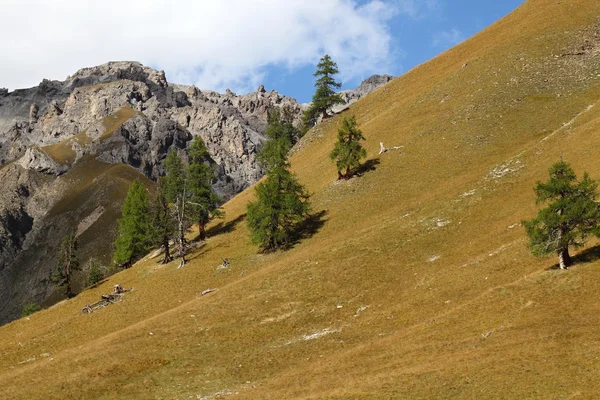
419, 258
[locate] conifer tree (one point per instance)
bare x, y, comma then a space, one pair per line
135, 237
570, 216
281, 201
325, 96
348, 152
67, 263
163, 223
203, 202
177, 192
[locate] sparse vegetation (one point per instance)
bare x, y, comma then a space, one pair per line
30, 308
134, 237
95, 272
325, 96
348, 152
571, 215
67, 263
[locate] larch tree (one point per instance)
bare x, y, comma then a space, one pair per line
203, 202
348, 151
281, 201
134, 239
325, 96
570, 216
163, 223
67, 263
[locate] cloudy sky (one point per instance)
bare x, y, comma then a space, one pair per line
236, 44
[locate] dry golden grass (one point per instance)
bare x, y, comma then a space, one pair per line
419, 283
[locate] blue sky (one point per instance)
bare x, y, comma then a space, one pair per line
235, 44
416, 39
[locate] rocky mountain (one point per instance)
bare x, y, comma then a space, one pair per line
69, 149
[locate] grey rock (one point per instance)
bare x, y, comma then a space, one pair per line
366, 87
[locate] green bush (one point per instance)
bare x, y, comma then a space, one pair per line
30, 308
95, 273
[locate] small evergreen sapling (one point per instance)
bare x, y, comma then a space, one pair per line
30, 308
96, 272
348, 152
570, 216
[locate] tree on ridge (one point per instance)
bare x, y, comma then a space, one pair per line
325, 96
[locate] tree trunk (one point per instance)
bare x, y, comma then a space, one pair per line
181, 217
68, 272
201, 231
167, 258
564, 259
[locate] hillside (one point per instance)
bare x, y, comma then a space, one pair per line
58, 137
415, 281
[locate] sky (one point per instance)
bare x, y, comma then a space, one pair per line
235, 44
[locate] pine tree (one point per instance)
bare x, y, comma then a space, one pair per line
325, 96
348, 152
570, 216
134, 239
203, 202
281, 201
163, 223
177, 192
67, 263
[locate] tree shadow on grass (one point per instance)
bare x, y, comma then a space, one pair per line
226, 227
368, 166
586, 256
309, 227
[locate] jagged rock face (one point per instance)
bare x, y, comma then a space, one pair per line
58, 141
232, 126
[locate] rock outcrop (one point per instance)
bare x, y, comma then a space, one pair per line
366, 87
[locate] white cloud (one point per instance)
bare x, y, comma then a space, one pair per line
448, 38
213, 44
419, 9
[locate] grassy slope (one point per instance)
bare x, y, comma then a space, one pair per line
427, 246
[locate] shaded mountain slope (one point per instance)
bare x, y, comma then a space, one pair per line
416, 282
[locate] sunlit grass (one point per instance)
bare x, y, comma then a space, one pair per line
418, 285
